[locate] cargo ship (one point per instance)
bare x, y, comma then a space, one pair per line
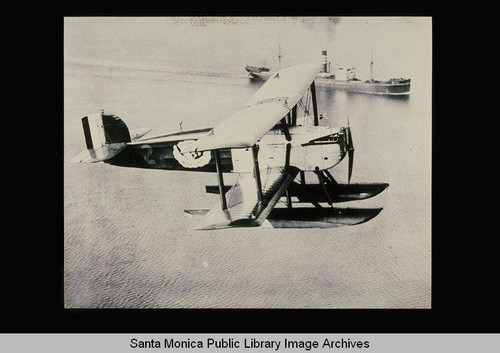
345, 79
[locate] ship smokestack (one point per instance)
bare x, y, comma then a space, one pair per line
325, 61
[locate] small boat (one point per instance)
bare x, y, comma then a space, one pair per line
262, 72
258, 72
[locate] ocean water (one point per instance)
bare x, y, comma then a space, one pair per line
127, 243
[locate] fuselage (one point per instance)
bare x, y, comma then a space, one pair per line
311, 148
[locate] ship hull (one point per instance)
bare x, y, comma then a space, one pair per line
263, 76
382, 88
258, 73
377, 87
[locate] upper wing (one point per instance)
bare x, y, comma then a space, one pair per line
262, 111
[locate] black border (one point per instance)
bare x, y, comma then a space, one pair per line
36, 261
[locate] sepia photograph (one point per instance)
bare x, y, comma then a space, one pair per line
247, 162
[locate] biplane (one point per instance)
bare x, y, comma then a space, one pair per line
269, 145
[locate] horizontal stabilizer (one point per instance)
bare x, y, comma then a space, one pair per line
100, 154
214, 189
198, 212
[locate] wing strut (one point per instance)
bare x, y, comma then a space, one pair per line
256, 171
294, 115
287, 165
284, 128
220, 180
315, 104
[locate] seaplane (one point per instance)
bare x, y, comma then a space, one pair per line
268, 144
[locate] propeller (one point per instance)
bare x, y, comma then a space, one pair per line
350, 151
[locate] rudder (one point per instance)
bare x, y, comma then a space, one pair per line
105, 136
100, 129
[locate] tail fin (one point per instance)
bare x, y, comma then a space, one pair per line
105, 137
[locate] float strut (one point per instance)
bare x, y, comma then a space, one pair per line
220, 180
323, 182
302, 177
330, 177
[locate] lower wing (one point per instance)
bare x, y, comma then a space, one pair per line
244, 206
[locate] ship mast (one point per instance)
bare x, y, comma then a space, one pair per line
371, 66
371, 60
279, 55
